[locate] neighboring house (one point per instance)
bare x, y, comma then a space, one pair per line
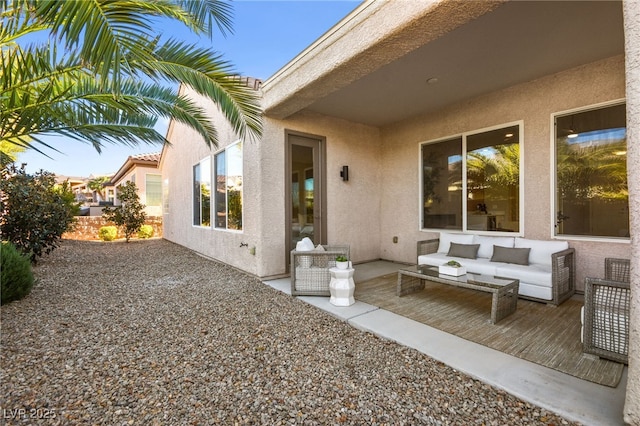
78, 186
88, 198
141, 169
486, 117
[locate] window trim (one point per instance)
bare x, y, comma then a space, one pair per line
214, 175
193, 166
146, 189
464, 135
553, 169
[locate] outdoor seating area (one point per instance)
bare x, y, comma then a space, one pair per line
545, 269
544, 334
504, 299
453, 325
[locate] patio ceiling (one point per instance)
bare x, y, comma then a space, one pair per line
517, 41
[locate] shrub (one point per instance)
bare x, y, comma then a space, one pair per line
108, 233
17, 277
130, 215
34, 210
146, 231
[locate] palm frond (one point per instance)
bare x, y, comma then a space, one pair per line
16, 21
209, 75
93, 91
204, 14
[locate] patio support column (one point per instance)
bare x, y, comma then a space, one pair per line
631, 10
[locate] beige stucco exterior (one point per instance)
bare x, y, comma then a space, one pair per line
533, 103
381, 199
632, 48
348, 143
138, 174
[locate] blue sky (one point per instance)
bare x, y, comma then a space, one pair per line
267, 35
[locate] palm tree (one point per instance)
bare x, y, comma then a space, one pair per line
97, 185
116, 75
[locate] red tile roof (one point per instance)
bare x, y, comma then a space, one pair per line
154, 156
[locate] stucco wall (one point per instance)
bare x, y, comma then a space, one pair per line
186, 150
632, 47
352, 207
140, 173
533, 102
380, 200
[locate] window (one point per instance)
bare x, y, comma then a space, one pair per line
165, 196
485, 167
591, 173
202, 193
153, 187
228, 165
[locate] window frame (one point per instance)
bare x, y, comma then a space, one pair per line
193, 205
464, 154
146, 189
214, 179
553, 207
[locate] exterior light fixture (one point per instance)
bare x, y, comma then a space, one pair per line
344, 173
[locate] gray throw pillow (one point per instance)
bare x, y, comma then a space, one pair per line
518, 256
469, 251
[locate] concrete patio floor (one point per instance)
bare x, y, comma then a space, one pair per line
572, 398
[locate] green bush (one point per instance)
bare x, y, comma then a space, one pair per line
34, 210
16, 278
130, 215
108, 233
146, 231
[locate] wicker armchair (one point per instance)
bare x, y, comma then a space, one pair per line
606, 312
310, 274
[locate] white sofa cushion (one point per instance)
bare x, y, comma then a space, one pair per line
487, 243
539, 292
474, 266
533, 274
482, 266
446, 239
541, 250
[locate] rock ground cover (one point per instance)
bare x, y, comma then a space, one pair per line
150, 333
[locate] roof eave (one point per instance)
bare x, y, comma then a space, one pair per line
373, 35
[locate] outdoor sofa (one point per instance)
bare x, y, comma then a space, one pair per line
546, 269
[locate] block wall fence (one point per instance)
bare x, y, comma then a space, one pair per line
87, 227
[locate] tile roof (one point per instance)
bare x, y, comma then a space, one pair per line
154, 156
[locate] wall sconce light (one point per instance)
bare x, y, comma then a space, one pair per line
344, 173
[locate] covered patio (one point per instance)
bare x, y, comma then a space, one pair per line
524, 354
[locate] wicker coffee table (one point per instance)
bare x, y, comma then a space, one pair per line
504, 290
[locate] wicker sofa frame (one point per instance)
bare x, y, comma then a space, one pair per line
310, 274
606, 312
563, 272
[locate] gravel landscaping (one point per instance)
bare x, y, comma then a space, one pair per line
149, 333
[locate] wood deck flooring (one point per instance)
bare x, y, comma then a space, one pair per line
537, 332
